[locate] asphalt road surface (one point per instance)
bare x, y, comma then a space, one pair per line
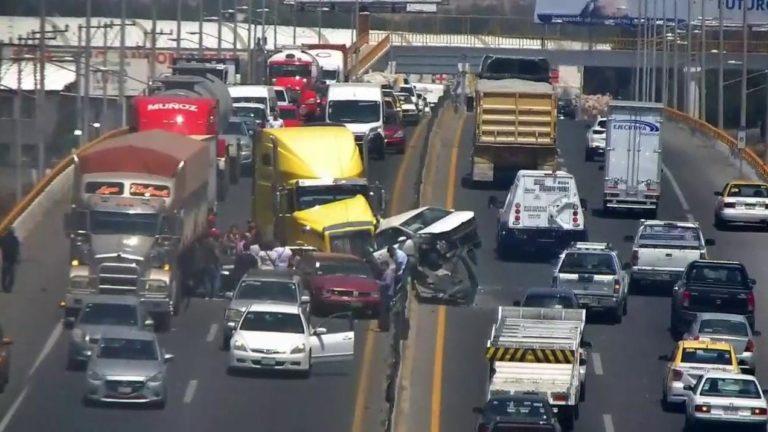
43, 396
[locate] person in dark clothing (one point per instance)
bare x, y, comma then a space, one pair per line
10, 248
211, 263
386, 293
243, 263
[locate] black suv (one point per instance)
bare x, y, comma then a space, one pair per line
518, 412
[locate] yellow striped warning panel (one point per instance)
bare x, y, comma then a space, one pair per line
529, 355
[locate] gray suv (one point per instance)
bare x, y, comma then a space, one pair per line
100, 313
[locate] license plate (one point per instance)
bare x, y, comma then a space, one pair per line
124, 390
356, 305
731, 411
266, 361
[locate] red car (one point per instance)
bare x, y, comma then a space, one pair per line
339, 282
290, 115
394, 132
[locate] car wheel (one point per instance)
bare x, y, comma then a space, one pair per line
583, 392
567, 420
625, 308
618, 315
225, 343
160, 404
720, 223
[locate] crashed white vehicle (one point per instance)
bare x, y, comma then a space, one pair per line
434, 239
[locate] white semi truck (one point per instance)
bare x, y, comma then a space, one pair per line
633, 157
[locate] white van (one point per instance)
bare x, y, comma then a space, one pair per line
542, 212
259, 94
359, 107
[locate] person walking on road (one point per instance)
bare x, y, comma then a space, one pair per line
401, 264
211, 262
10, 248
386, 293
281, 257
276, 122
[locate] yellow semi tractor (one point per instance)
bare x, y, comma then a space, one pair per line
309, 187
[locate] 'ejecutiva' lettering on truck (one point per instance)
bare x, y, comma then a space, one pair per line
636, 125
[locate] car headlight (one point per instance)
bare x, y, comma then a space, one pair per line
299, 349
94, 376
239, 345
78, 282
156, 286
156, 378
79, 335
399, 134
233, 315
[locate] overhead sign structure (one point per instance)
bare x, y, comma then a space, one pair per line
628, 12
365, 2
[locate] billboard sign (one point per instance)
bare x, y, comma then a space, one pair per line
627, 12
105, 76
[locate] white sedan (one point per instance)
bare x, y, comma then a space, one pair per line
277, 336
726, 400
596, 139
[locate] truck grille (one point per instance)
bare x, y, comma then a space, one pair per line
118, 277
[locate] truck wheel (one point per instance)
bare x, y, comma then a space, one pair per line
652, 214
617, 315
583, 392
624, 309
567, 419
234, 171
720, 223
588, 157
163, 322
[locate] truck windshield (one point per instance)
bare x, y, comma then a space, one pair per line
311, 196
290, 70
250, 99
143, 224
351, 242
354, 111
256, 113
589, 263
329, 74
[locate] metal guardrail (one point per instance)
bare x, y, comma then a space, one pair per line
750, 157
26, 202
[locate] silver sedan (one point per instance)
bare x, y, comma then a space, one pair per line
729, 328
725, 400
127, 366
742, 202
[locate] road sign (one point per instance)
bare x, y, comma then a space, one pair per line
742, 138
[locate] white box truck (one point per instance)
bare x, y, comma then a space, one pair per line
633, 157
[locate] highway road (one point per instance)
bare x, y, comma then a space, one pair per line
43, 396
624, 373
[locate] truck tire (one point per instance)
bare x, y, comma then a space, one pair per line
588, 156
566, 419
583, 392
617, 315
234, 171
652, 213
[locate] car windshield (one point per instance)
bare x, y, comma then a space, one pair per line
589, 263
127, 349
277, 291
234, 128
288, 114
250, 99
109, 314
717, 275
424, 219
142, 224
602, 124
748, 191
354, 242
311, 196
347, 267
549, 301
256, 113
404, 98
670, 233
354, 111
281, 96
730, 388
290, 70
275, 322
706, 356
723, 327
527, 410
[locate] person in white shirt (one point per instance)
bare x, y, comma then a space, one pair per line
281, 257
275, 122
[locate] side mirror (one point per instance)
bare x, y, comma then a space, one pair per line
516, 303
586, 344
149, 322
583, 203
626, 266
231, 325
229, 295
664, 357
718, 193
305, 299
478, 410
688, 388
752, 281
629, 238
493, 202
582, 361
709, 242
69, 322
167, 358
320, 331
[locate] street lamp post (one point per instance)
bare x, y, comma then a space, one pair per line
665, 76
688, 102
674, 63
703, 64
645, 50
263, 24
178, 27
652, 93
637, 52
720, 73
121, 76
743, 111
218, 30
87, 74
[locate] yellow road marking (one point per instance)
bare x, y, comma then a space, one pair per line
368, 348
437, 372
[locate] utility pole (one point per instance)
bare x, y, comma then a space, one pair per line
218, 34
674, 63
320, 22
274, 23
665, 76
105, 76
653, 53
264, 24
293, 12
87, 71
122, 75
178, 27
687, 88
703, 64
637, 49
234, 29
79, 79
646, 34
40, 100
720, 73
17, 128
250, 41
743, 111
153, 42
201, 14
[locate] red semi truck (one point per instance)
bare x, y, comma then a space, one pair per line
298, 72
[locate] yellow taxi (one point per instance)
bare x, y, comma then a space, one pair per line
690, 360
742, 202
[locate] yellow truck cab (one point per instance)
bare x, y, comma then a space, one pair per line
309, 187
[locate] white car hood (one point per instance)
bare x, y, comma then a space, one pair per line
448, 223
282, 342
361, 127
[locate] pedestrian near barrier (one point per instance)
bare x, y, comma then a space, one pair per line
10, 248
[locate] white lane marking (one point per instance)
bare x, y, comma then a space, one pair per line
676, 187
212, 332
597, 363
189, 394
46, 348
608, 423
12, 410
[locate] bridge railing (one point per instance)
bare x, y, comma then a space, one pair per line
364, 62
749, 156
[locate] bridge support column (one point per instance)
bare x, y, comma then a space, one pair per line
693, 104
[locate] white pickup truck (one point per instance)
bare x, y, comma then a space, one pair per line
662, 249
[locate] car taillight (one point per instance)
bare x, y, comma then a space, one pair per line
729, 205
677, 375
702, 408
616, 286
686, 298
483, 428
221, 147
559, 397
635, 257
751, 301
750, 346
759, 411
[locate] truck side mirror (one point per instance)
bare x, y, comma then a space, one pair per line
583, 203
718, 193
493, 202
709, 242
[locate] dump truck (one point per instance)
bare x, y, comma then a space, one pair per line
139, 203
515, 128
539, 350
310, 188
